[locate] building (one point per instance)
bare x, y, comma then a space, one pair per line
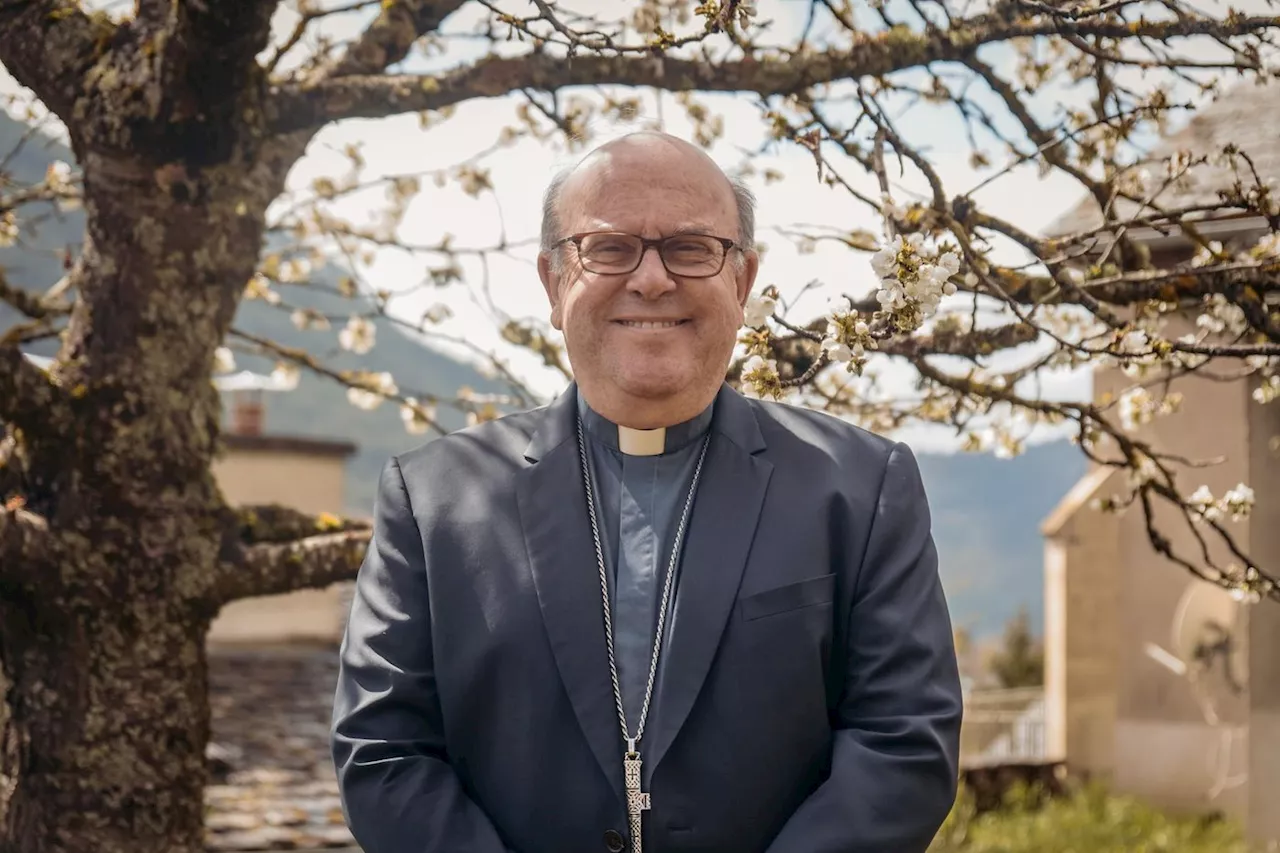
1128, 698
273, 659
305, 474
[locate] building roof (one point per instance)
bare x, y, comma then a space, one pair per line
287, 444
1076, 498
1242, 115
273, 785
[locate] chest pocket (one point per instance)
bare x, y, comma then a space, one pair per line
812, 592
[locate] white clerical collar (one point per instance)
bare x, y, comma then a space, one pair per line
643, 442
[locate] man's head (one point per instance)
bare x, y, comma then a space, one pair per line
649, 346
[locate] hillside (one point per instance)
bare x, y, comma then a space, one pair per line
318, 408
986, 511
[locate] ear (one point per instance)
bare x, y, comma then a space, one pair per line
745, 276
551, 284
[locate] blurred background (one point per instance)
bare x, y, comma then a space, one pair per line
1114, 700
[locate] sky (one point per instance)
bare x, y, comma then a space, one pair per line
520, 173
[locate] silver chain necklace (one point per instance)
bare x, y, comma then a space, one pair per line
637, 800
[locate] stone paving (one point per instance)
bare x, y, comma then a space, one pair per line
272, 785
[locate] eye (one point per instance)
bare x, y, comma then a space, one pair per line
690, 248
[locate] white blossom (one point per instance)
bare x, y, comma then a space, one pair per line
890, 209
286, 375
1268, 246
223, 360
1203, 500
1135, 342
295, 270
358, 336
373, 389
259, 287
1239, 501
8, 229
304, 319
911, 279
758, 310
837, 351
1144, 472
58, 176
838, 306
760, 377
417, 417
1138, 407
1267, 390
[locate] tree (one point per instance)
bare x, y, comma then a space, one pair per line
116, 548
1019, 661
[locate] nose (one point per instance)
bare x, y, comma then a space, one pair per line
650, 280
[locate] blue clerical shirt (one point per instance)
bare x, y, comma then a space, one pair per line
639, 501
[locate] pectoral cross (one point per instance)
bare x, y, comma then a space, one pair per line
637, 800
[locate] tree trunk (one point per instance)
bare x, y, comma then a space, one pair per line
104, 716
103, 727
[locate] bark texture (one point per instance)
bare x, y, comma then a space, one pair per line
118, 556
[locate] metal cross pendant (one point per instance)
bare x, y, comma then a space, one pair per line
637, 800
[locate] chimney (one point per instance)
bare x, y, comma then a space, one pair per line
246, 412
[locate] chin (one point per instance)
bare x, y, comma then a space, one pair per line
655, 385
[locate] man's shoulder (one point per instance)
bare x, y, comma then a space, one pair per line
786, 425
486, 448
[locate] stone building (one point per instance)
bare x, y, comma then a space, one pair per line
1187, 732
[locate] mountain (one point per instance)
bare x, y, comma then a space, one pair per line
318, 407
986, 523
986, 511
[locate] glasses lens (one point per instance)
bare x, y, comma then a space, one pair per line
609, 253
692, 255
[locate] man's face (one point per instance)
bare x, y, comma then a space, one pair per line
649, 334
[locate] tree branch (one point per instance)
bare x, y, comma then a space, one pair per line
25, 301
272, 569
49, 45
392, 33
28, 399
274, 523
26, 547
209, 47
309, 105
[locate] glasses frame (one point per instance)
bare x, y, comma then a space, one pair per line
647, 243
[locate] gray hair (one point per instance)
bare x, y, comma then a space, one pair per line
743, 199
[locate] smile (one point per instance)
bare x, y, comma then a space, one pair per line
651, 324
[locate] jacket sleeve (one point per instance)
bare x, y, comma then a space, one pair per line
895, 750
399, 793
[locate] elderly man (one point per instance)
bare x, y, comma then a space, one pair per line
653, 615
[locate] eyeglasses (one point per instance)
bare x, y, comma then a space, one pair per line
618, 253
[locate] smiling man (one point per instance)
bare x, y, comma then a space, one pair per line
653, 615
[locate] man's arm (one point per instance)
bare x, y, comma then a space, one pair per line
897, 740
399, 793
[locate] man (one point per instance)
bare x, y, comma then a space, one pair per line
653, 615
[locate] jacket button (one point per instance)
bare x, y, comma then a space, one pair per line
614, 841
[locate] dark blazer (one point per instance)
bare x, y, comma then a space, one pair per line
810, 700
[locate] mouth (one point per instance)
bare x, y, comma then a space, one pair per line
651, 325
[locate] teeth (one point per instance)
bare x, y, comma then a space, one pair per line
650, 325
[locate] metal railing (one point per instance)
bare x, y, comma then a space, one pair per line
1003, 726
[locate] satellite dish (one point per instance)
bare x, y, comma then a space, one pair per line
1207, 640
1208, 634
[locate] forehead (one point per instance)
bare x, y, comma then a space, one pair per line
648, 192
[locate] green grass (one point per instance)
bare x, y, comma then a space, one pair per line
1089, 820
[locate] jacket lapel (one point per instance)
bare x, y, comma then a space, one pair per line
721, 529
553, 515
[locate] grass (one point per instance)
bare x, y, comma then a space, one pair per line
1087, 820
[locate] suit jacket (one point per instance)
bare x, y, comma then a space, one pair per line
809, 702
